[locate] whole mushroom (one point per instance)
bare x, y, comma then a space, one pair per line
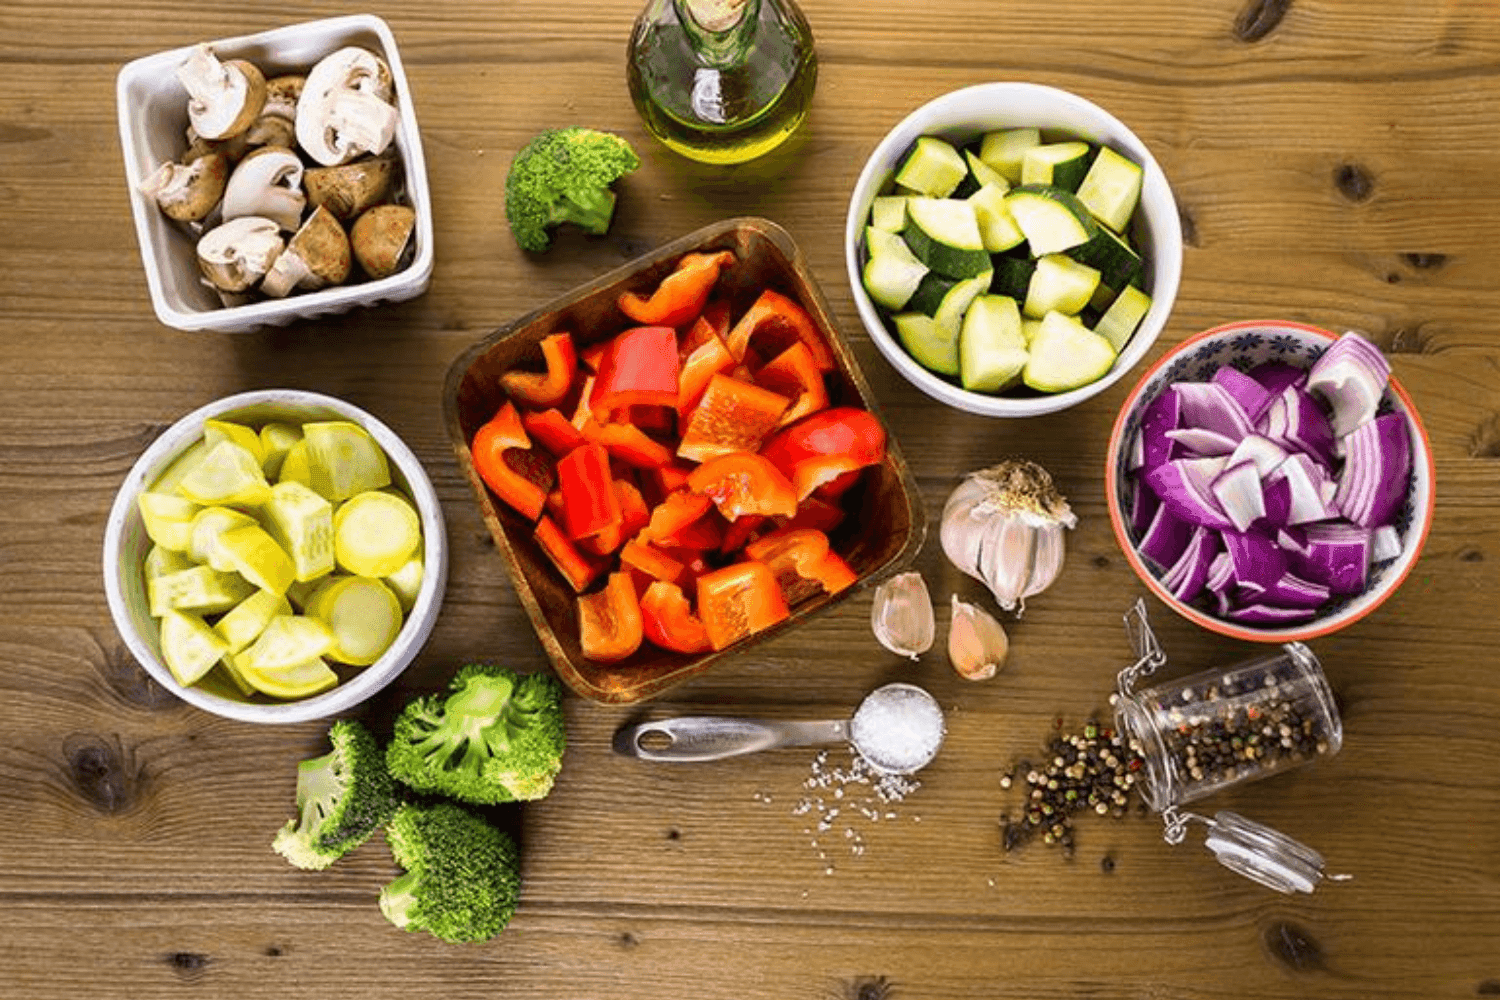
282, 93
267, 183
350, 188
224, 98
345, 109
316, 255
188, 192
380, 238
235, 255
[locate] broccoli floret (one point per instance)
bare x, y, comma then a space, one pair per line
462, 878
564, 175
342, 798
497, 737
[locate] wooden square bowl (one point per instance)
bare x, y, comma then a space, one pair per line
885, 523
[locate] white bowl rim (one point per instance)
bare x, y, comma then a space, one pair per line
1317, 627
1166, 258
414, 631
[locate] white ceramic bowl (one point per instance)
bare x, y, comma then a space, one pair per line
152, 108
126, 544
964, 115
1245, 345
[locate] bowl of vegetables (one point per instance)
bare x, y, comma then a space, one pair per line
1013, 249
680, 460
1271, 481
275, 556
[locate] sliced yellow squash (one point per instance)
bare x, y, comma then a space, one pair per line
235, 676
247, 438
208, 524
160, 562
189, 646
343, 460
227, 475
173, 474
406, 582
363, 615
257, 557
294, 467
300, 680
168, 519
287, 641
301, 522
244, 622
375, 533
199, 589
276, 439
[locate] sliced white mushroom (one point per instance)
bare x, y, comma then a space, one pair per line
282, 93
317, 255
350, 188
188, 191
345, 109
237, 254
381, 237
267, 183
224, 98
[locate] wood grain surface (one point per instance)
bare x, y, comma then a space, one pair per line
1334, 162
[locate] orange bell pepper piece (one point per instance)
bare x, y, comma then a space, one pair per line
609, 621
739, 601
652, 561
668, 621
552, 430
681, 295
676, 512
732, 416
491, 449
551, 387
821, 448
773, 315
577, 568
802, 563
794, 374
744, 483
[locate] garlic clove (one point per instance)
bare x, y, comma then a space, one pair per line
1046, 561
977, 643
901, 615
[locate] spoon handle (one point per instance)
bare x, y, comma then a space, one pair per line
708, 737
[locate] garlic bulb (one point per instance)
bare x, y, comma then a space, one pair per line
977, 643
902, 615
1004, 527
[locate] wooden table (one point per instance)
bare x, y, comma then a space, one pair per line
1334, 165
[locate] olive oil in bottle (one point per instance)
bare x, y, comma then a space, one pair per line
721, 81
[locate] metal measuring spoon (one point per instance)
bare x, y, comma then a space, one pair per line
897, 729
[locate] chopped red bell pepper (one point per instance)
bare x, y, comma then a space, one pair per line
652, 561
658, 484
681, 295
551, 387
694, 564
802, 563
634, 516
744, 483
609, 621
676, 512
551, 430
578, 569
738, 601
708, 359
835, 488
713, 324
820, 448
669, 622
640, 368
589, 501
491, 450
629, 444
741, 531
732, 416
795, 375
593, 355
776, 318
705, 534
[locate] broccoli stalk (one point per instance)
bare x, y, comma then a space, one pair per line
564, 176
462, 879
498, 736
342, 798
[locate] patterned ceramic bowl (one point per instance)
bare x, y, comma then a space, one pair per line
1245, 345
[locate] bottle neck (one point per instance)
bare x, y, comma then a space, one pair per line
720, 31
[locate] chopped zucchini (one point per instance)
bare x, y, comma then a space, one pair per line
997, 227
933, 168
1065, 355
891, 272
1059, 284
983, 173
1060, 164
943, 233
888, 212
1052, 219
932, 344
1004, 150
1029, 328
1119, 321
930, 292
1109, 254
950, 312
1111, 189
1012, 276
991, 350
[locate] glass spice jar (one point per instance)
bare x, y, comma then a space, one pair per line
1219, 728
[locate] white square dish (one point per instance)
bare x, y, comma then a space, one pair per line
152, 109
